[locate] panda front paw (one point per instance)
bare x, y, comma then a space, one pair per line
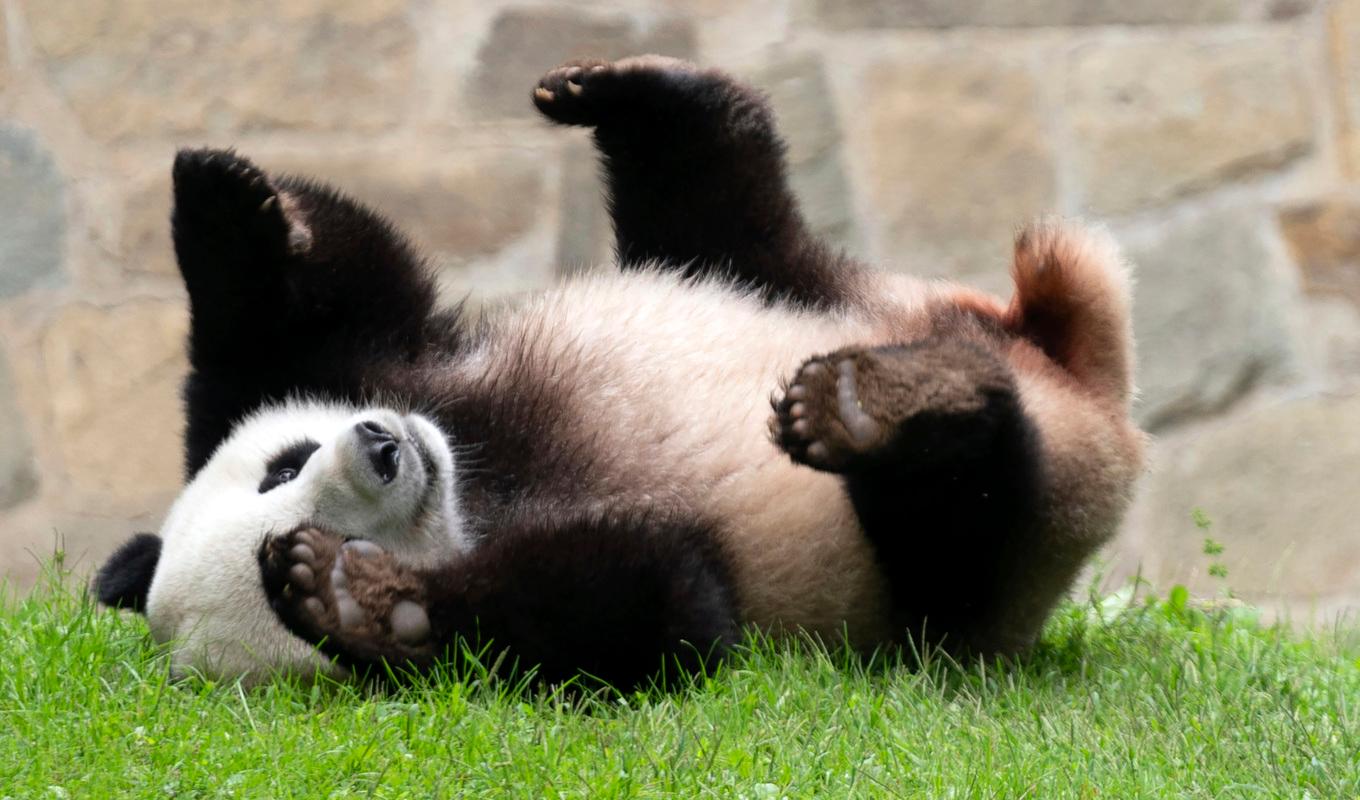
586, 91
350, 598
820, 420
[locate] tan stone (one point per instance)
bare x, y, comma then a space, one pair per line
1030, 13
524, 42
85, 530
458, 206
1157, 119
957, 158
1324, 238
144, 67
18, 473
1344, 34
113, 380
145, 241
803, 104
1278, 486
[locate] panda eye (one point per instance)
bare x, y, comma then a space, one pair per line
286, 466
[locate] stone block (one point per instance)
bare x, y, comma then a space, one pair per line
1324, 238
1212, 314
183, 67
957, 157
18, 473
1157, 119
586, 236
1344, 37
32, 213
871, 14
112, 376
144, 242
458, 206
804, 106
525, 42
1277, 485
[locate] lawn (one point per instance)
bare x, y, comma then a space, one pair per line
1155, 698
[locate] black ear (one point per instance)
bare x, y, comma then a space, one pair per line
125, 578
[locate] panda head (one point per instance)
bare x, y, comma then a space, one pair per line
370, 473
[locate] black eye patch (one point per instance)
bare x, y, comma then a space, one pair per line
285, 466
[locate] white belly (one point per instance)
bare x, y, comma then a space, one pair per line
673, 380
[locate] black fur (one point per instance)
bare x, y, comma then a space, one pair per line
125, 578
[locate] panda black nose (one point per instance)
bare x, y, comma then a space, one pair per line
381, 447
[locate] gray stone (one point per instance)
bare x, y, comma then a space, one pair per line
1157, 119
32, 213
1035, 13
585, 237
957, 156
18, 474
1212, 312
803, 103
524, 42
1278, 488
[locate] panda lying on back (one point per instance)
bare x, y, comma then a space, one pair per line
594, 478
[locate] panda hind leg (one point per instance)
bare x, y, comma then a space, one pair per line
696, 176
943, 468
916, 406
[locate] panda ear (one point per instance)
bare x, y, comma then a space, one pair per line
125, 578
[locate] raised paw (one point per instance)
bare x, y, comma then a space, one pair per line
221, 182
586, 91
820, 420
350, 597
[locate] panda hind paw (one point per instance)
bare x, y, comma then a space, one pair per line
350, 597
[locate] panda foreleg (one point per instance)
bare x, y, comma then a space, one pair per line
696, 174
623, 600
943, 467
293, 289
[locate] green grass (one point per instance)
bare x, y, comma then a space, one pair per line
1157, 699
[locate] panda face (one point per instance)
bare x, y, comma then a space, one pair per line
363, 473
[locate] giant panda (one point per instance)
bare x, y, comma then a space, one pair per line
734, 427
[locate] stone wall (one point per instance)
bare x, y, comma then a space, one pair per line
1219, 139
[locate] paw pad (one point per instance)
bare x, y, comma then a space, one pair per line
820, 421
